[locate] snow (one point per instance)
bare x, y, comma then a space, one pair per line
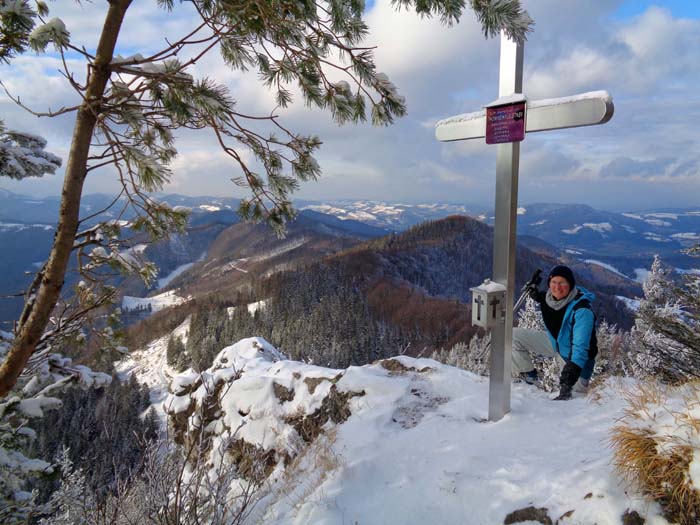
363, 215
252, 308
631, 304
157, 302
417, 448
673, 216
137, 248
689, 271
506, 100
539, 223
326, 208
118, 59
600, 227
604, 95
650, 236
687, 236
606, 266
657, 222
35, 406
641, 274
572, 231
165, 281
9, 226
694, 470
150, 367
490, 286
291, 244
573, 252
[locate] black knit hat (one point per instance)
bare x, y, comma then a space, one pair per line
562, 271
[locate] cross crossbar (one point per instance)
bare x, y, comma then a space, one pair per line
586, 109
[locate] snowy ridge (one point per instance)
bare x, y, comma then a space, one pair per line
404, 441
388, 215
9, 226
156, 302
607, 266
165, 281
288, 246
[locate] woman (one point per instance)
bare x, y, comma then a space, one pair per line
570, 322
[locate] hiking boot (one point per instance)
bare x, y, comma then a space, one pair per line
564, 393
531, 377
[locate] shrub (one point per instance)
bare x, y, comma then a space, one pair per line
657, 448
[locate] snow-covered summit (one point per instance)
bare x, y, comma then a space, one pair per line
403, 441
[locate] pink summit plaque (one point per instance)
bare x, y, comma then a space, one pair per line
505, 123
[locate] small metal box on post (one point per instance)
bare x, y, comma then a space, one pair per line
488, 304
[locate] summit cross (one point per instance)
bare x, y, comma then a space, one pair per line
506, 122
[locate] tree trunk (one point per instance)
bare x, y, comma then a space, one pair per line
37, 310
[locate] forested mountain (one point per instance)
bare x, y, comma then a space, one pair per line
402, 293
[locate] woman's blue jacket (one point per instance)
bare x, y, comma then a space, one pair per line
574, 340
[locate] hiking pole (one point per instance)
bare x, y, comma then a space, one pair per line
534, 282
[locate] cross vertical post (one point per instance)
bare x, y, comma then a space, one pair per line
507, 165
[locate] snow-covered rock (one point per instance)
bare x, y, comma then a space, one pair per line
402, 440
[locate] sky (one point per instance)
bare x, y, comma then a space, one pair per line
644, 53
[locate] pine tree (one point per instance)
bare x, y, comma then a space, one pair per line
530, 317
130, 109
22, 155
667, 326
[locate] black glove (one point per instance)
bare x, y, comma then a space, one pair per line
533, 292
567, 380
569, 374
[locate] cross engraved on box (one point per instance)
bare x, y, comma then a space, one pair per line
479, 303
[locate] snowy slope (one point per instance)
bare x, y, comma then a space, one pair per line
150, 367
407, 442
157, 302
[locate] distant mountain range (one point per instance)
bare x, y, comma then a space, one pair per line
577, 234
628, 239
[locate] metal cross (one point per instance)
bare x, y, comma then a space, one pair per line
586, 109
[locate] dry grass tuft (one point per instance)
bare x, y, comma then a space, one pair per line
654, 447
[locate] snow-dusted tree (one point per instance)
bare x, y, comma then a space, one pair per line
530, 317
616, 354
128, 107
667, 327
50, 375
472, 357
22, 155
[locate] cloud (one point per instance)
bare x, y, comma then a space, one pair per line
656, 170
645, 154
549, 163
